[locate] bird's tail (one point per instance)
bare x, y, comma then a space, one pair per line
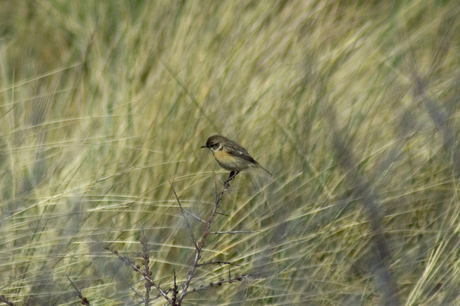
264, 169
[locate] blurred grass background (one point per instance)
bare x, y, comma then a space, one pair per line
104, 103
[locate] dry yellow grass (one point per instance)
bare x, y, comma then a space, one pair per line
104, 103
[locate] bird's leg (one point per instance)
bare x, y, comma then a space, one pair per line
233, 174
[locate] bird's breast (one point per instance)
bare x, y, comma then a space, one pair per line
229, 162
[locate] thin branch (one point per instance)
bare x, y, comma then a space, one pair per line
183, 215
195, 216
219, 283
175, 291
232, 232
128, 262
217, 262
6, 301
200, 245
145, 255
84, 300
135, 291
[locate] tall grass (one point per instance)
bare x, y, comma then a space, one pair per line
104, 106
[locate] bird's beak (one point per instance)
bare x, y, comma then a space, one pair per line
203, 147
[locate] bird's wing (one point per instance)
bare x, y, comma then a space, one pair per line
236, 150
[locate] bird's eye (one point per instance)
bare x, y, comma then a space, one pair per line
214, 146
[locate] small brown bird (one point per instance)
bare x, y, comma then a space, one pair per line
231, 156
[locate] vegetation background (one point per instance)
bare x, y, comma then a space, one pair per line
353, 105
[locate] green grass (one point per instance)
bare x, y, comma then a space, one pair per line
105, 104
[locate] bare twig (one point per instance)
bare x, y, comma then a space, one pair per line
175, 291
232, 232
177, 298
185, 218
84, 300
219, 283
135, 291
6, 301
200, 244
195, 216
217, 262
136, 268
145, 255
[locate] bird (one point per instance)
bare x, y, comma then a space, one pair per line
231, 156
